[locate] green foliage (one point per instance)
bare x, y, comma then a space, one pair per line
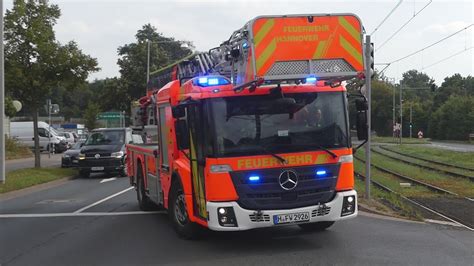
454, 119
133, 59
381, 115
15, 150
34, 61
10, 110
90, 115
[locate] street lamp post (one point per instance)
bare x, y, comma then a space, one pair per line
2, 102
401, 112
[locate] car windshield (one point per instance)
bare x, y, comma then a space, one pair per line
263, 124
108, 137
77, 146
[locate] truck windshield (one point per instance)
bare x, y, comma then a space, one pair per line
268, 124
109, 137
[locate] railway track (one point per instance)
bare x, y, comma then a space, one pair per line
415, 181
419, 204
471, 178
429, 161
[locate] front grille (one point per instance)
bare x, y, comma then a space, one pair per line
321, 211
306, 67
100, 162
102, 154
267, 194
259, 218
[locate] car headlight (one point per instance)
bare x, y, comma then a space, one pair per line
118, 154
66, 156
81, 156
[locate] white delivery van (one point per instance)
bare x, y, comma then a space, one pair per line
23, 132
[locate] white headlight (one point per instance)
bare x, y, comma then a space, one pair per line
118, 154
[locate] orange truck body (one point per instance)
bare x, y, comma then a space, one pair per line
257, 188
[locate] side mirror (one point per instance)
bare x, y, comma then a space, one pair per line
182, 134
361, 125
178, 111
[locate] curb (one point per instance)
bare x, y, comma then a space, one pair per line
39, 187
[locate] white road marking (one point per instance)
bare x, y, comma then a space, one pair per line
74, 214
102, 200
442, 222
107, 179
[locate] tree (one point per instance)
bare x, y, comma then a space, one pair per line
454, 119
133, 58
35, 62
10, 110
90, 115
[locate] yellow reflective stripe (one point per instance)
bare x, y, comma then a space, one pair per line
263, 31
349, 28
320, 50
266, 54
197, 180
350, 49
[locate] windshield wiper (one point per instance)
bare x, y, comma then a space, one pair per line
326, 150
278, 157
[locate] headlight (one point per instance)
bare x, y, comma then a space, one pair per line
81, 156
118, 154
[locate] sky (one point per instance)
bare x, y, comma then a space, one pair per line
101, 26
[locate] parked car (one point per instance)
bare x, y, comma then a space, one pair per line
70, 157
69, 137
104, 151
23, 132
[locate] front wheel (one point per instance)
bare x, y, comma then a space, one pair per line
318, 226
178, 214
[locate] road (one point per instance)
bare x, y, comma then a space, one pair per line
54, 161
461, 147
70, 223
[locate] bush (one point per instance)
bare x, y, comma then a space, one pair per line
16, 150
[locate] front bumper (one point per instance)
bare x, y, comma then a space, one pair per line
244, 217
101, 165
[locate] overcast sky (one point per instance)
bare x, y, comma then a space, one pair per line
101, 26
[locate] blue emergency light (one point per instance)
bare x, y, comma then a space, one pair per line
311, 80
254, 178
321, 172
212, 81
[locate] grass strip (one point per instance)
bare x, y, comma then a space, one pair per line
28, 177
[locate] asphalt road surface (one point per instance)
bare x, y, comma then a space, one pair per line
54, 161
96, 221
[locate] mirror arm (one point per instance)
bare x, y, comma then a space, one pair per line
360, 145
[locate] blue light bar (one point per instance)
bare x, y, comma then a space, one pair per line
321, 172
311, 80
254, 178
211, 81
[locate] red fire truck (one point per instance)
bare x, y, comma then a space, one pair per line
255, 133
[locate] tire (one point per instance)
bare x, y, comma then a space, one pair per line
178, 214
144, 201
315, 227
84, 174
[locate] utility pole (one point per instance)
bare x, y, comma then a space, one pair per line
2, 102
401, 112
411, 125
48, 105
368, 84
147, 62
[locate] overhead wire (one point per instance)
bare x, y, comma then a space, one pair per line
386, 17
426, 47
448, 57
403, 26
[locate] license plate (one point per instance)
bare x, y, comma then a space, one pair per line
291, 218
75, 161
97, 168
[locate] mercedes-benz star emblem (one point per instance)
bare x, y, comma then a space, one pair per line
97, 156
288, 180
